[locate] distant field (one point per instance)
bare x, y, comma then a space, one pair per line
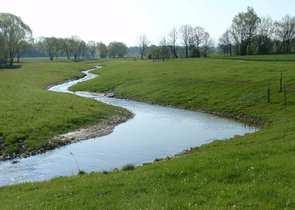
281, 57
30, 115
251, 172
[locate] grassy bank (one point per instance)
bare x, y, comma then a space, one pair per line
30, 115
251, 172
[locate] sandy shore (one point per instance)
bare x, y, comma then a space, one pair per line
101, 129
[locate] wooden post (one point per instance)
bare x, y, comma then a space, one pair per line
268, 95
285, 95
281, 83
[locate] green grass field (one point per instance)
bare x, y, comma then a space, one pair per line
30, 115
274, 57
256, 171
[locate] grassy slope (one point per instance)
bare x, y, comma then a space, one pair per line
251, 172
30, 115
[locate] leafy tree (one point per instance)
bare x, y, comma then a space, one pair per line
154, 52
117, 49
77, 47
244, 28
13, 34
91, 48
23, 45
52, 46
102, 50
67, 48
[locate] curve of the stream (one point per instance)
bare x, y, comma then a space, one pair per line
154, 132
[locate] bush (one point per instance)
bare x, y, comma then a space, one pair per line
81, 172
128, 167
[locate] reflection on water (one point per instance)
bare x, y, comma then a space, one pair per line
154, 132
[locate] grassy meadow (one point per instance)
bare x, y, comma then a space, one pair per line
30, 115
255, 171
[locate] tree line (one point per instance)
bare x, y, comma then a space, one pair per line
75, 49
250, 34
16, 40
186, 41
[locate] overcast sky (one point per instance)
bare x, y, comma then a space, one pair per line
125, 20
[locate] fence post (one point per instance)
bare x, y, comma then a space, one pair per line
285, 95
268, 95
281, 82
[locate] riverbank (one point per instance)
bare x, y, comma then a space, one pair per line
100, 129
255, 171
32, 118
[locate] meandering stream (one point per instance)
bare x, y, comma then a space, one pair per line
154, 132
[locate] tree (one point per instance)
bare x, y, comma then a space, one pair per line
117, 49
225, 43
3, 56
67, 48
77, 47
154, 52
265, 30
143, 45
164, 49
13, 32
207, 43
197, 38
185, 32
91, 47
52, 46
244, 27
102, 50
172, 42
82, 53
23, 45
285, 32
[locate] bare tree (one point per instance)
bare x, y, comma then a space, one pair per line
164, 49
264, 35
185, 32
206, 44
225, 43
285, 32
143, 45
172, 41
197, 39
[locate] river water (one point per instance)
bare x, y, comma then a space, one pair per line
154, 132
